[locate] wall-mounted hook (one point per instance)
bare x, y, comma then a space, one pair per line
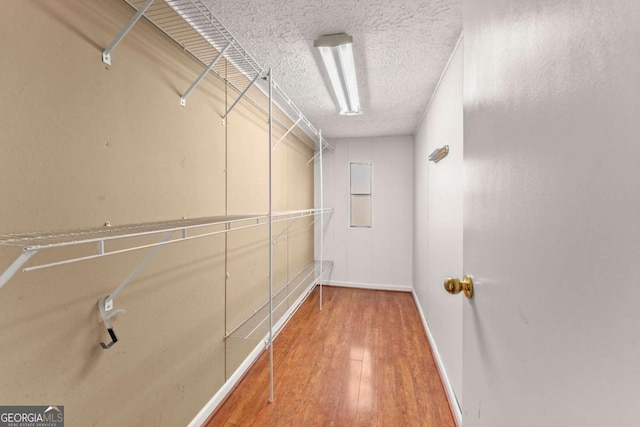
439, 154
114, 339
105, 304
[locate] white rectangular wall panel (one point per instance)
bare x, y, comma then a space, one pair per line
380, 255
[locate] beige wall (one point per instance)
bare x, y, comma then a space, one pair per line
82, 144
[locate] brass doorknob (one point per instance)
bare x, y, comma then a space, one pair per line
454, 285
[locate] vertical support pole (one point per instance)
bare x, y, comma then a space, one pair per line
321, 218
270, 238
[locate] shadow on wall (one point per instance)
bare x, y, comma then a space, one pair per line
69, 13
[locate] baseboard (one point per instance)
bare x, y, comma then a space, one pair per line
448, 388
239, 373
377, 287
227, 387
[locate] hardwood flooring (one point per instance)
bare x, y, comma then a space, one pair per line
364, 360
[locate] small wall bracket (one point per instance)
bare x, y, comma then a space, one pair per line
439, 154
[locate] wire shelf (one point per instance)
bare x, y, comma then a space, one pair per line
167, 231
192, 25
37, 241
256, 326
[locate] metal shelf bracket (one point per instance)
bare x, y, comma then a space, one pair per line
183, 98
317, 154
106, 54
275, 241
16, 265
256, 324
105, 303
287, 132
244, 92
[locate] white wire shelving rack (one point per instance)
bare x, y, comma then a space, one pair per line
195, 28
192, 25
107, 241
122, 237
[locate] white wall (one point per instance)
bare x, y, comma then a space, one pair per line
438, 219
379, 257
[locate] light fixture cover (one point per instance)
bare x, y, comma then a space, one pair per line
337, 56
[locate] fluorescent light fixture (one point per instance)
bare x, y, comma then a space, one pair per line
337, 56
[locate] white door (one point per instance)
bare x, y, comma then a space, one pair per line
552, 213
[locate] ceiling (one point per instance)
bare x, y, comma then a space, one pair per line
400, 47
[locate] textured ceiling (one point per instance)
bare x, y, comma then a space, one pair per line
401, 48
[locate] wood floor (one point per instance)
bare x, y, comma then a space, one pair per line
364, 360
